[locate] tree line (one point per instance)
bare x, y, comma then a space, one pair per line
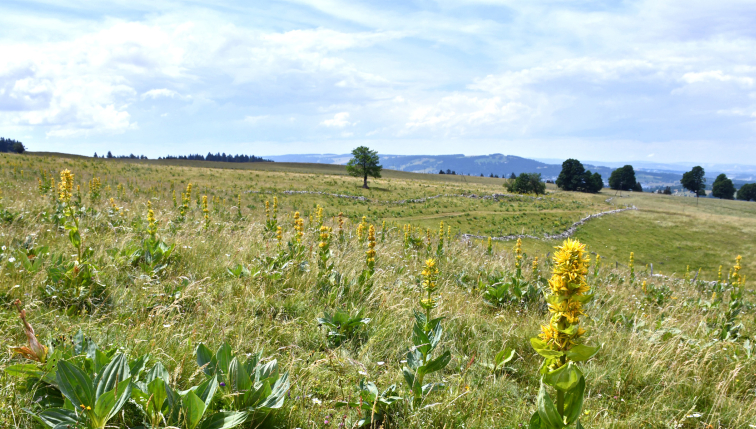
10, 145
219, 157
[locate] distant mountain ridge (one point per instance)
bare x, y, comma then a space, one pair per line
498, 164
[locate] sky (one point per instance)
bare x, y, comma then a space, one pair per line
652, 80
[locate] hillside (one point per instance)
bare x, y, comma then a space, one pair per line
182, 263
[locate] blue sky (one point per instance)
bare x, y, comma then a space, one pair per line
656, 80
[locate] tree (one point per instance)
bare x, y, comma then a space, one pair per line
574, 177
363, 164
441, 172
723, 187
512, 176
527, 183
694, 181
109, 155
747, 192
623, 179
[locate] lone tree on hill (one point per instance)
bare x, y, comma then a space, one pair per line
574, 177
623, 179
694, 181
723, 187
363, 164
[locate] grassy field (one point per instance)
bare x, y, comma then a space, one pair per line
674, 354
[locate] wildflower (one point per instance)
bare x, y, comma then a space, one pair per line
632, 267
341, 225
298, 227
65, 187
361, 229
370, 254
205, 211
489, 247
735, 277
152, 228
535, 267
279, 234
518, 254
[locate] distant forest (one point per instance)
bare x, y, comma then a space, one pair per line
10, 145
219, 157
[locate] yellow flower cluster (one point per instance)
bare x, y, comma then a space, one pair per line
736, 278
279, 234
568, 288
65, 187
341, 224
94, 185
325, 237
298, 227
113, 205
535, 268
371, 247
430, 285
361, 229
319, 214
152, 228
205, 211
518, 254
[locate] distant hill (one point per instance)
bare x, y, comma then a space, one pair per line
498, 164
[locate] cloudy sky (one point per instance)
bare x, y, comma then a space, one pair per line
653, 80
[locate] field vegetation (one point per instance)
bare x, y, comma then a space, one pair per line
192, 294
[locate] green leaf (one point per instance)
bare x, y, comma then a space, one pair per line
158, 395
224, 420
573, 402
109, 403
564, 378
278, 395
205, 357
223, 358
542, 349
578, 425
238, 378
24, 370
535, 422
115, 372
138, 365
194, 408
504, 356
158, 371
436, 364
56, 416
206, 390
547, 411
581, 353
75, 385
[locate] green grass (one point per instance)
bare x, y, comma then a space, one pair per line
658, 366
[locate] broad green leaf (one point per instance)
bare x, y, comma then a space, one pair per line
238, 378
110, 402
206, 390
582, 353
223, 357
24, 370
578, 425
55, 416
205, 357
573, 402
194, 408
224, 420
138, 365
267, 371
547, 411
542, 349
115, 372
564, 378
420, 339
75, 385
535, 422
278, 394
504, 356
158, 371
438, 363
158, 395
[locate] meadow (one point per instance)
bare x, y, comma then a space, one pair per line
190, 277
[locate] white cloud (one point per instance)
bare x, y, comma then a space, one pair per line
255, 119
340, 120
160, 93
717, 76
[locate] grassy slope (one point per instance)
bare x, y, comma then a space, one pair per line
657, 365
